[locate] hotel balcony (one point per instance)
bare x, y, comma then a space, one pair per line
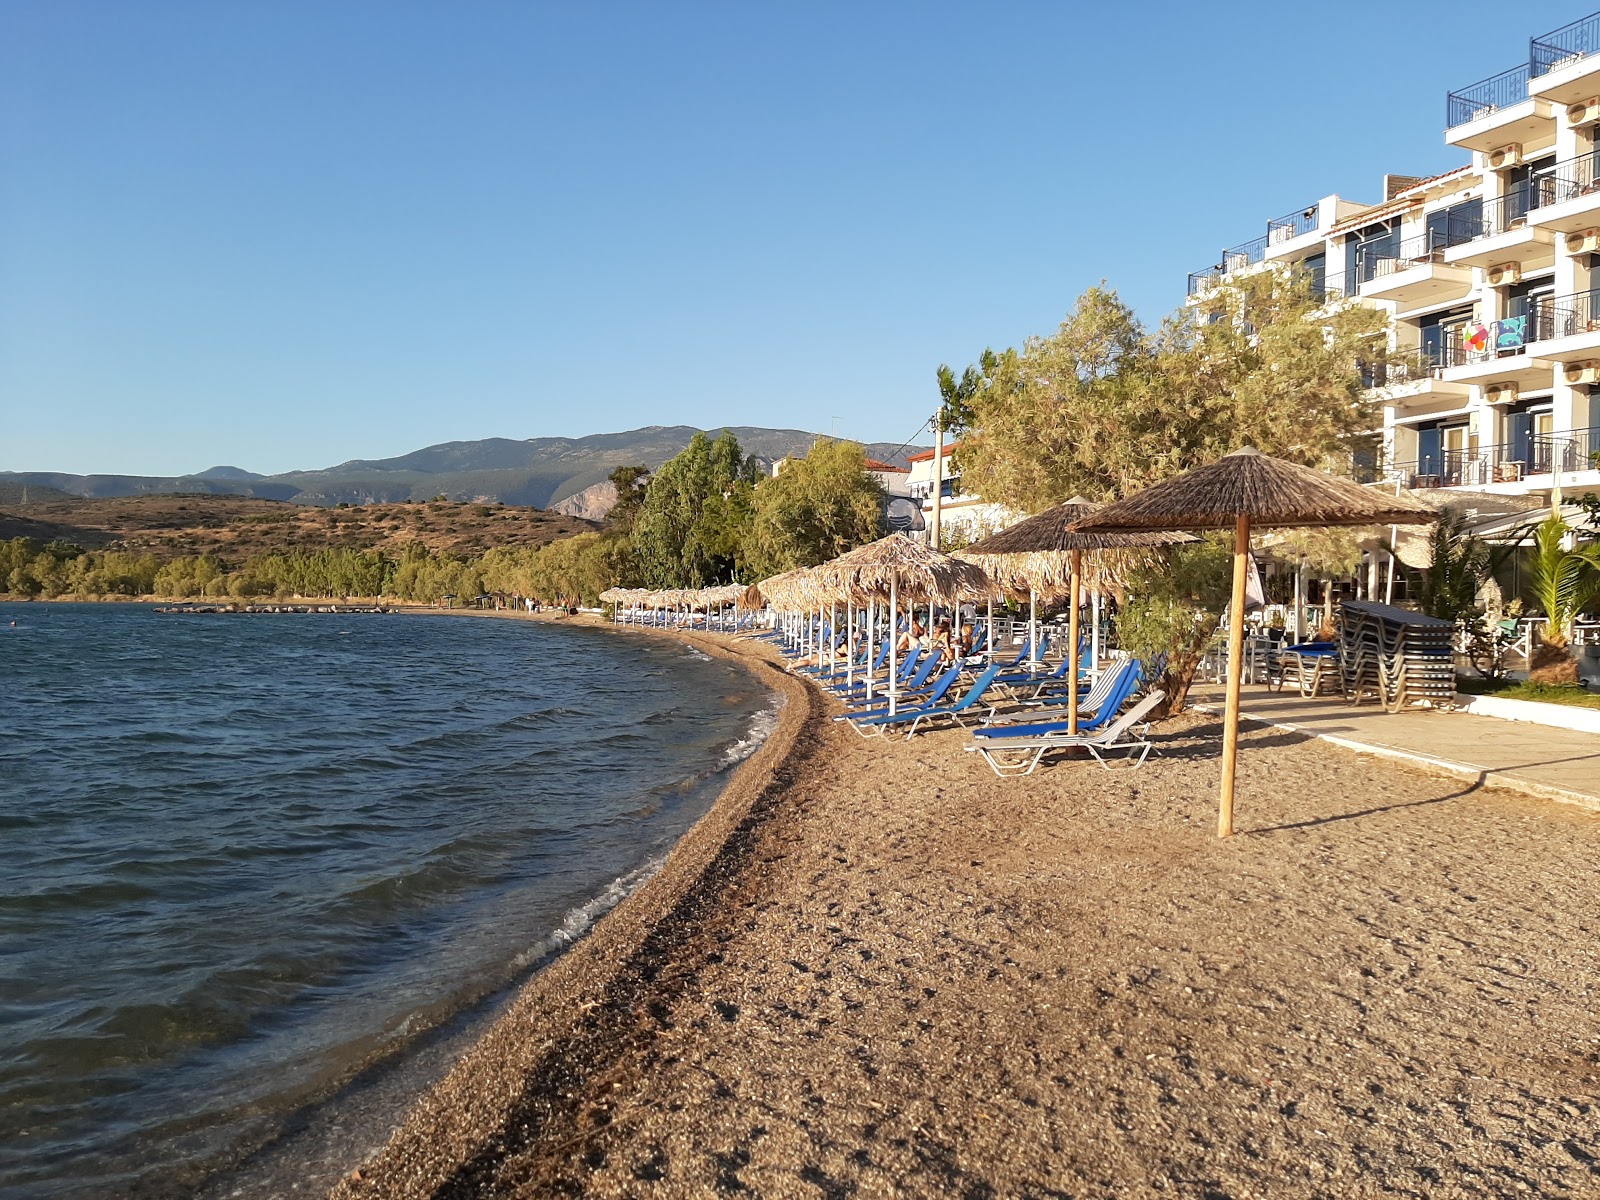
1501, 234
1497, 355
1294, 236
1564, 65
1412, 274
1497, 111
1234, 260
1566, 329
1412, 375
1567, 197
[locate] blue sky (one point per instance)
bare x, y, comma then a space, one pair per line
281, 235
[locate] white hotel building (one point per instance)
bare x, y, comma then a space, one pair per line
1492, 275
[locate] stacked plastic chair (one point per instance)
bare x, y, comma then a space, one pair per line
1394, 656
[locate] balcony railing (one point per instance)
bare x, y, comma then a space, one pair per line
1403, 366
1503, 462
1567, 180
1487, 340
1498, 216
1486, 96
1298, 224
1204, 281
1551, 51
1576, 450
1564, 316
1242, 256
1379, 259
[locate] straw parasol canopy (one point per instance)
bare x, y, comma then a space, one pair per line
1036, 552
913, 570
1242, 489
1043, 555
1268, 491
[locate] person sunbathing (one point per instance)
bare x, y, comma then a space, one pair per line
911, 639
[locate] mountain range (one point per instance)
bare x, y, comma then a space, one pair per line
537, 471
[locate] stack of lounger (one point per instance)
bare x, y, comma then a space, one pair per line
1394, 656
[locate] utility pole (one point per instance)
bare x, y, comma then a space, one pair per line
938, 477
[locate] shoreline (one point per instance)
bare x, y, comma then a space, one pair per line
877, 969
519, 1073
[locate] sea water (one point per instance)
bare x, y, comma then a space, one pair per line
250, 863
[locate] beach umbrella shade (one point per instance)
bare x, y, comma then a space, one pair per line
1044, 553
1242, 490
900, 568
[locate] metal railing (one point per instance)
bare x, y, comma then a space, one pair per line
1296, 224
1503, 462
1203, 281
1567, 180
1486, 96
1500, 215
1449, 468
1564, 316
1403, 366
1377, 262
1237, 258
1575, 450
1551, 51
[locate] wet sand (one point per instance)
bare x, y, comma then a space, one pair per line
875, 969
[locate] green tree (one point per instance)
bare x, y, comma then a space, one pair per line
1103, 407
1174, 608
815, 509
1563, 583
680, 534
957, 395
630, 483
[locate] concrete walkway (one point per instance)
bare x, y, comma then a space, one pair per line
1556, 764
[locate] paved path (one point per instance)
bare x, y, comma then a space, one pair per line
1557, 764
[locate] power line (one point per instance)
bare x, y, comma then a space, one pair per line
912, 438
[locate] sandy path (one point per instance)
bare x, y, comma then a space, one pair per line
913, 979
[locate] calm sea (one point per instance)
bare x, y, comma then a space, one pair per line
262, 876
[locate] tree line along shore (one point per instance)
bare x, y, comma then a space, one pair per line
1100, 408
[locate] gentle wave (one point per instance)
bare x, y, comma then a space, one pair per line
241, 856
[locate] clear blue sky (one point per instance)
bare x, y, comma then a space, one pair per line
281, 235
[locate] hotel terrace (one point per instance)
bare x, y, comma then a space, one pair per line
1492, 275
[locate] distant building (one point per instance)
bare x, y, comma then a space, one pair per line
1490, 275
892, 477
963, 518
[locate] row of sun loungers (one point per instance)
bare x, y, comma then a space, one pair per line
1012, 711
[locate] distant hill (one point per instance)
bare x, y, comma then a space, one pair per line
234, 527
537, 471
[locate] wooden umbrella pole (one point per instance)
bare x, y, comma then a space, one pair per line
1230, 722
1072, 647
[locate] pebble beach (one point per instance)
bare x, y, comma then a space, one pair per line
876, 969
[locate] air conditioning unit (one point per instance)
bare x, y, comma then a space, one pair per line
1574, 373
1585, 242
1501, 393
1505, 274
1584, 112
1505, 157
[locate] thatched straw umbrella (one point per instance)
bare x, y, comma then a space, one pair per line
1242, 489
896, 566
1044, 552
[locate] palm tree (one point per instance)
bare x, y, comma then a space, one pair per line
1564, 582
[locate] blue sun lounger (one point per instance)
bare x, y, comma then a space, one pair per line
997, 745
932, 711
1099, 707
